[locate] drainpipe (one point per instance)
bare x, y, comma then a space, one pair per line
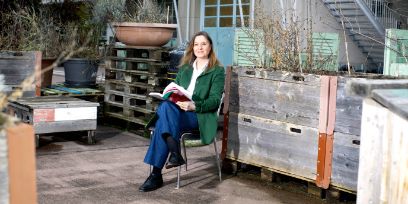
252, 13
178, 24
188, 20
283, 13
241, 14
380, 29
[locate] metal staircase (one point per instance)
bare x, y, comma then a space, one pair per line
365, 21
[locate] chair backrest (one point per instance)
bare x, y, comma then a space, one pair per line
221, 102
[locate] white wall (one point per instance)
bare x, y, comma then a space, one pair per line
322, 21
194, 19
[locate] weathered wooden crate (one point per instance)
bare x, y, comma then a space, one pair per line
275, 122
17, 66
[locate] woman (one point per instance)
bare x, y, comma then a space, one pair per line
202, 75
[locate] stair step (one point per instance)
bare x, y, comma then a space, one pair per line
339, 2
345, 9
347, 15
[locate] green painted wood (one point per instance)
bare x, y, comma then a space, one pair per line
396, 53
248, 48
325, 48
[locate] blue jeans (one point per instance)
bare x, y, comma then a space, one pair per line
171, 120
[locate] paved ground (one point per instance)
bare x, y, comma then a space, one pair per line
70, 171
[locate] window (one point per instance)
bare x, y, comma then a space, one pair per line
225, 13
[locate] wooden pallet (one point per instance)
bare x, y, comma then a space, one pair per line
143, 102
131, 88
62, 90
133, 114
152, 53
137, 64
133, 76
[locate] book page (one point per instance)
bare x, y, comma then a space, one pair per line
173, 87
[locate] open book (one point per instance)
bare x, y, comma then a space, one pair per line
174, 93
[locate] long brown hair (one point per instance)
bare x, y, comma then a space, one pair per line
189, 56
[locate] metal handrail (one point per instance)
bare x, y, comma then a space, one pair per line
384, 14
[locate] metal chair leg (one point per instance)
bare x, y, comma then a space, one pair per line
184, 149
178, 177
217, 158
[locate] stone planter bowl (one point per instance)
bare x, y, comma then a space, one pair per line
144, 34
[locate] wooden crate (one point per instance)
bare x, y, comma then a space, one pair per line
275, 122
17, 66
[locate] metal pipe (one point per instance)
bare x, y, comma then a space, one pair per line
283, 13
188, 20
252, 13
178, 23
380, 28
241, 14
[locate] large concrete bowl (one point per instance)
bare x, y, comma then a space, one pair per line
144, 34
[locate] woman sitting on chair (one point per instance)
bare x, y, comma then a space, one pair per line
202, 75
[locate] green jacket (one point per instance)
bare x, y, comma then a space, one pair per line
207, 97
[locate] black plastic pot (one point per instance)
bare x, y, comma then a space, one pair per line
80, 73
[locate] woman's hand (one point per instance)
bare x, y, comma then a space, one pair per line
186, 105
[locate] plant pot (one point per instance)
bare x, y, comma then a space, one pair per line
144, 34
46, 76
80, 73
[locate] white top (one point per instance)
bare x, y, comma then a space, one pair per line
196, 72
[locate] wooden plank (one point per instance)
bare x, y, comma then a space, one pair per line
283, 147
21, 163
363, 87
324, 167
369, 173
396, 100
324, 103
345, 161
225, 111
348, 110
64, 126
276, 75
394, 175
287, 101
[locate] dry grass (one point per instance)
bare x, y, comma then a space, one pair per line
284, 43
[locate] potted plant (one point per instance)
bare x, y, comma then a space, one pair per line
85, 33
143, 23
33, 29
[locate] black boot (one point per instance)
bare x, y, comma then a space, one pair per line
175, 160
153, 182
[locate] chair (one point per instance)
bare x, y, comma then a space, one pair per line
195, 132
182, 141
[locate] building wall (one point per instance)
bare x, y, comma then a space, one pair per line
322, 21
194, 19
401, 6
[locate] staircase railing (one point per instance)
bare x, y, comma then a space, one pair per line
384, 14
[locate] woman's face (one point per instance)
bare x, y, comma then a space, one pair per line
202, 47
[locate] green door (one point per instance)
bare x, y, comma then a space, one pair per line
220, 18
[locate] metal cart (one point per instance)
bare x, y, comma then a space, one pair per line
51, 114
